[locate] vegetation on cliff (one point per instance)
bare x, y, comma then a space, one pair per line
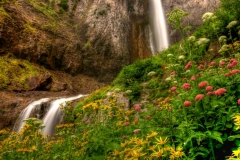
184, 104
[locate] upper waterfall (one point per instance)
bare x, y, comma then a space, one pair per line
158, 28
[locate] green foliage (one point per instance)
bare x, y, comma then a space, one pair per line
64, 4
102, 12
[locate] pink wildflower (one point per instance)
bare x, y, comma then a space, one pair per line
124, 137
189, 65
212, 64
136, 121
222, 63
187, 103
227, 74
127, 124
137, 108
209, 93
235, 71
173, 73
238, 101
199, 97
193, 78
200, 66
202, 84
219, 91
136, 131
173, 89
209, 88
230, 66
148, 117
186, 86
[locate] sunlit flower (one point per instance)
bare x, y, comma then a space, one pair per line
157, 154
187, 103
173, 89
232, 24
222, 39
153, 134
191, 38
186, 86
207, 16
182, 57
202, 41
152, 73
222, 63
202, 84
237, 121
137, 108
199, 97
219, 91
161, 142
189, 65
209, 88
193, 78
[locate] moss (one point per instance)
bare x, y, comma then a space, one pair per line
14, 72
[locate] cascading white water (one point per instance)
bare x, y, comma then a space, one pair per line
158, 34
25, 114
54, 115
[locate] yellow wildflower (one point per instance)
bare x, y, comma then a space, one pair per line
157, 154
162, 142
153, 134
237, 121
115, 153
236, 153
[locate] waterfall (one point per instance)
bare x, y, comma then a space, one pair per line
158, 35
25, 114
52, 118
55, 114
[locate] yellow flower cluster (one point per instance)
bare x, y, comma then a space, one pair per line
237, 121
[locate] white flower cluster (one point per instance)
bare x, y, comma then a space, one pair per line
222, 39
181, 57
224, 48
207, 16
152, 73
192, 39
232, 24
202, 41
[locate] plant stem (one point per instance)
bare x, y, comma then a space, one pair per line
212, 150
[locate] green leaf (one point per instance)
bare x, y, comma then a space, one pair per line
229, 125
231, 138
218, 145
216, 135
224, 119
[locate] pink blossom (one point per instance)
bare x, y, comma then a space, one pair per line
148, 117
222, 63
200, 66
230, 66
127, 124
227, 74
173, 89
209, 88
209, 93
136, 131
124, 137
173, 73
189, 65
186, 86
199, 97
136, 121
193, 78
187, 103
137, 108
238, 101
212, 63
235, 71
219, 91
197, 76
202, 84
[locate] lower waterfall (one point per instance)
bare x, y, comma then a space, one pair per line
52, 117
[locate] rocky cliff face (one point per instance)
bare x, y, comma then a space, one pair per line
92, 37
